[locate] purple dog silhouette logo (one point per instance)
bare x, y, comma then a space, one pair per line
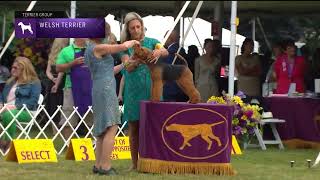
196, 133
25, 27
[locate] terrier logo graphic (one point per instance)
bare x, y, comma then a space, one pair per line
189, 132
25, 27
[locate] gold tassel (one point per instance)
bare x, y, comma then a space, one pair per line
173, 167
298, 143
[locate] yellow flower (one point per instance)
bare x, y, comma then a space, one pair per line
244, 117
218, 100
255, 109
27, 52
238, 100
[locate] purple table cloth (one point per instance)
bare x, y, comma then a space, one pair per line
301, 128
185, 138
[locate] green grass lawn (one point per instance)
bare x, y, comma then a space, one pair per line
253, 164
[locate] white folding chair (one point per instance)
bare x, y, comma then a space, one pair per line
267, 118
25, 127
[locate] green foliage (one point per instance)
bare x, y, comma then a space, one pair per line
311, 32
9, 23
277, 28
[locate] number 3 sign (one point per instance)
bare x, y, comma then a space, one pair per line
80, 150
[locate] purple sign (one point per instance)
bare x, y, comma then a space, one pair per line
60, 27
176, 135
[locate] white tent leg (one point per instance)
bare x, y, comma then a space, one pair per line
182, 28
218, 13
196, 36
189, 27
253, 22
316, 162
175, 22
72, 15
4, 28
264, 34
232, 47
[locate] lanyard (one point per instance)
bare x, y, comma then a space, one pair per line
286, 66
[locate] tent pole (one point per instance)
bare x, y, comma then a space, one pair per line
253, 21
218, 17
175, 22
72, 15
122, 21
4, 28
196, 36
264, 34
30, 7
232, 47
182, 28
189, 27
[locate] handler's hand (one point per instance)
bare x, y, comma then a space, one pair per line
77, 61
129, 44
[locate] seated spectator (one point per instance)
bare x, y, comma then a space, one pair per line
289, 69
22, 88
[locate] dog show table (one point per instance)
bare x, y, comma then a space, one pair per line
179, 138
302, 116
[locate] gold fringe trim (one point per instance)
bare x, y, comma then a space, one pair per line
298, 143
173, 167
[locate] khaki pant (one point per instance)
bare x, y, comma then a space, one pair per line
67, 109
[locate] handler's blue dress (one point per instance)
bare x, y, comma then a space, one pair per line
104, 98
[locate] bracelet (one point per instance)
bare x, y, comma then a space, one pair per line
126, 64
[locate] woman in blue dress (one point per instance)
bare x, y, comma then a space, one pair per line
137, 83
104, 99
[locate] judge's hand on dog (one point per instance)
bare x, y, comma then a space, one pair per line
131, 43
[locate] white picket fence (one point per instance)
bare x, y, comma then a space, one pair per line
43, 130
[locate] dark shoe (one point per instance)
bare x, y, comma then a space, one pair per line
95, 170
109, 172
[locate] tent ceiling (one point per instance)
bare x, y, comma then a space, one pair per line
101, 8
